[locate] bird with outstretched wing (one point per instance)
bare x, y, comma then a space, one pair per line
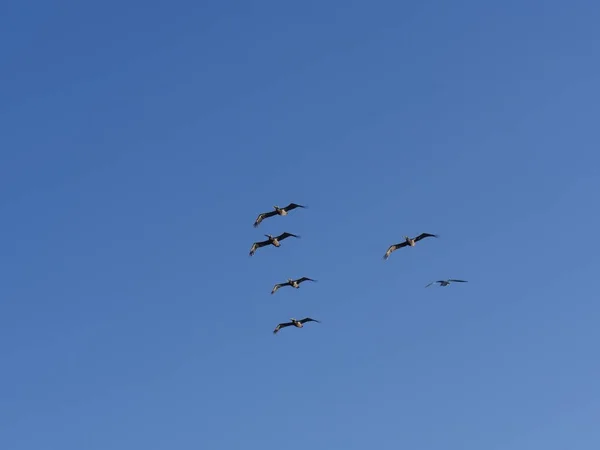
407, 242
446, 282
293, 322
276, 211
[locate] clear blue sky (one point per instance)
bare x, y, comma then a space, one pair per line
139, 140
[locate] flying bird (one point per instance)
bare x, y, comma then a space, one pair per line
293, 283
277, 211
275, 241
294, 322
407, 241
446, 282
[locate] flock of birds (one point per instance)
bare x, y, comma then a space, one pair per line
275, 241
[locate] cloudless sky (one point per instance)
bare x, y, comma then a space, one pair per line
138, 142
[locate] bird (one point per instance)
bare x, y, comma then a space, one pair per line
446, 282
293, 283
407, 241
277, 211
294, 322
275, 241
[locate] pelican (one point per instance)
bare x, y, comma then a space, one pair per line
446, 282
293, 283
294, 322
275, 241
277, 211
407, 241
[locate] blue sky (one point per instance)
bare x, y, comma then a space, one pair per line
139, 140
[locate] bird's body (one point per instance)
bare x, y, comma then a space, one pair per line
295, 323
446, 282
277, 211
293, 283
271, 240
410, 242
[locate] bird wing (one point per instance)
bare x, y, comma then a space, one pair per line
458, 281
258, 245
433, 282
293, 206
281, 325
278, 285
308, 319
263, 216
286, 235
424, 235
300, 280
393, 248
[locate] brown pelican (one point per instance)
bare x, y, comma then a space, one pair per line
407, 241
275, 241
296, 323
446, 282
292, 283
276, 211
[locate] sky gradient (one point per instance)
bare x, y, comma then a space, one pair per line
139, 140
